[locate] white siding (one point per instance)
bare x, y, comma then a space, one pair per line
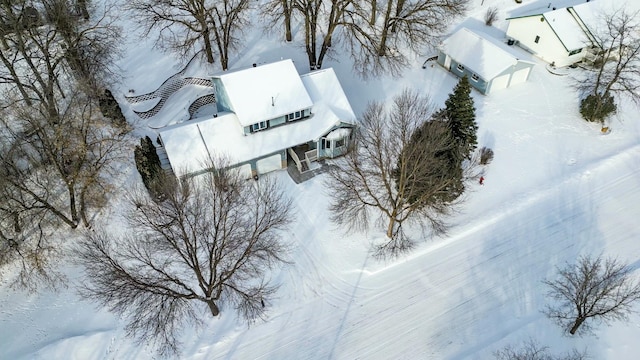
548, 48
519, 76
500, 82
269, 164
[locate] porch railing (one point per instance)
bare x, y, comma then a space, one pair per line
295, 158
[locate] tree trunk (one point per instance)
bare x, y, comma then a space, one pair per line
382, 47
72, 205
392, 225
207, 45
287, 20
213, 307
576, 325
399, 7
374, 9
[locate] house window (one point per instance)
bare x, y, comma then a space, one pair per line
294, 116
325, 144
460, 67
259, 126
475, 77
340, 142
537, 39
575, 52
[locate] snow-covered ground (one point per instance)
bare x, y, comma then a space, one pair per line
557, 188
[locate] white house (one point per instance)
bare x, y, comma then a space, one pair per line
489, 64
562, 32
266, 116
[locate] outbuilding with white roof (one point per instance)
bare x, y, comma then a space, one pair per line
563, 32
488, 64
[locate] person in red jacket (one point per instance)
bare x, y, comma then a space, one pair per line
481, 180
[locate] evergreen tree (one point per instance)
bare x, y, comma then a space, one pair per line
111, 109
460, 115
148, 165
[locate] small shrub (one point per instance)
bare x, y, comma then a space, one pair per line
597, 107
486, 155
491, 15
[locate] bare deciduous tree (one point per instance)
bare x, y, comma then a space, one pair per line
211, 242
616, 70
183, 24
56, 149
491, 16
280, 12
403, 27
593, 288
382, 177
532, 350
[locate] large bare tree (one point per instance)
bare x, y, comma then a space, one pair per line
188, 26
380, 36
402, 28
616, 69
210, 244
594, 288
57, 150
383, 177
532, 350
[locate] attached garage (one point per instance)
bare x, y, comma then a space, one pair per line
500, 82
271, 163
489, 64
520, 76
245, 171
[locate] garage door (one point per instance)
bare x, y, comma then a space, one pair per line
501, 82
519, 76
269, 164
245, 171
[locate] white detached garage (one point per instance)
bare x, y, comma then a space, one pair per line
489, 64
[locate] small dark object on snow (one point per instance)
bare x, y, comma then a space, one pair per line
481, 180
262, 302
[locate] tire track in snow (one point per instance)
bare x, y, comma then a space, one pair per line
441, 302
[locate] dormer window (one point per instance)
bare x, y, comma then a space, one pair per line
294, 116
259, 126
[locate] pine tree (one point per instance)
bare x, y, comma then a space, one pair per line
460, 115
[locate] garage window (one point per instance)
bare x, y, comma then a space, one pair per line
460, 67
475, 77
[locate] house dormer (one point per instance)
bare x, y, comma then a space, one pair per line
263, 97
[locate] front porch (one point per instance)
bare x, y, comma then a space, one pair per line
303, 163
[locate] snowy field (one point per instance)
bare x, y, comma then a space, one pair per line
556, 189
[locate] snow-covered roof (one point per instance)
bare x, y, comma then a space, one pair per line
478, 53
265, 92
328, 97
573, 21
567, 28
189, 144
